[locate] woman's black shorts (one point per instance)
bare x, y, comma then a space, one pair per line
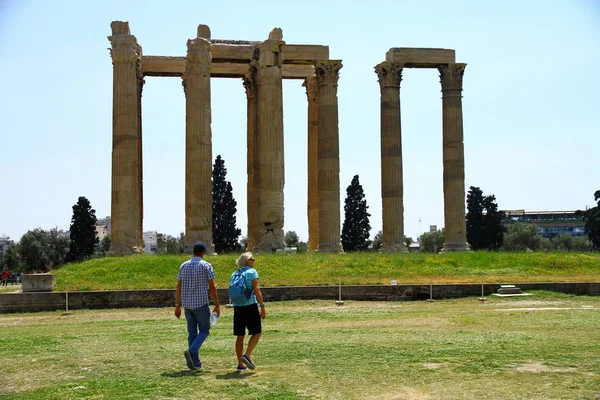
246, 317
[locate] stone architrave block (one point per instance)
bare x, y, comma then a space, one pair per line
420, 57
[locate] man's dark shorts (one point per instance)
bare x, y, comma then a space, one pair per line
246, 317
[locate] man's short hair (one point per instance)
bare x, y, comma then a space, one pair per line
199, 247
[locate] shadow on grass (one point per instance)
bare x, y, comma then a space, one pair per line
179, 374
236, 375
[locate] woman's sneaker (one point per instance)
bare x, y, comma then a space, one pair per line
241, 368
246, 360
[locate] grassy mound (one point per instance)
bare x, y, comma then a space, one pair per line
307, 269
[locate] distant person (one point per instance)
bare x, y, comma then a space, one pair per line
195, 282
5, 275
247, 311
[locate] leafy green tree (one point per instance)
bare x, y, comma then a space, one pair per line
244, 242
33, 250
581, 243
356, 228
57, 248
301, 247
377, 241
562, 242
225, 232
591, 218
484, 221
407, 241
104, 245
432, 242
167, 244
566, 242
522, 237
291, 239
11, 259
82, 235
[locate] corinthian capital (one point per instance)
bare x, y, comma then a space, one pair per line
451, 76
389, 74
328, 72
270, 54
198, 51
197, 61
249, 83
124, 49
312, 90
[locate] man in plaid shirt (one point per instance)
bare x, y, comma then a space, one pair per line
194, 283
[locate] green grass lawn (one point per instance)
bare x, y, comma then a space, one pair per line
545, 346
305, 269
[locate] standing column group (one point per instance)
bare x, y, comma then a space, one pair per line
252, 161
126, 197
392, 187
313, 162
451, 77
269, 141
198, 141
327, 73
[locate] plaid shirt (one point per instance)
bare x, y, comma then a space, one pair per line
194, 276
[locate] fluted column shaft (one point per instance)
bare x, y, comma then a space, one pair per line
140, 225
269, 92
327, 73
392, 186
253, 165
313, 162
198, 144
126, 194
451, 77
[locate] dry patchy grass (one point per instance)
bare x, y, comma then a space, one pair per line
449, 349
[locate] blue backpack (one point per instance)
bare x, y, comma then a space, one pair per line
238, 292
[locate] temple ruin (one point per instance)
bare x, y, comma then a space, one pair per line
261, 66
392, 188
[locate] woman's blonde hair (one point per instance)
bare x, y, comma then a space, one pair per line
243, 259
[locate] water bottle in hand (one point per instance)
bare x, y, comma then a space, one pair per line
213, 318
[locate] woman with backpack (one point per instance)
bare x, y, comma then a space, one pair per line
248, 309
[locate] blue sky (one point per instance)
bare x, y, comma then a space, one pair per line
530, 107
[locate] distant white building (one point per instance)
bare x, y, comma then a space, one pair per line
150, 242
414, 246
4, 243
102, 227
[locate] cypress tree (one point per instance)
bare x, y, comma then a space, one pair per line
82, 234
484, 221
475, 218
356, 229
225, 232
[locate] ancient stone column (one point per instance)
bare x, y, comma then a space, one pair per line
253, 166
140, 228
327, 73
392, 187
269, 97
313, 162
451, 76
126, 195
198, 141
